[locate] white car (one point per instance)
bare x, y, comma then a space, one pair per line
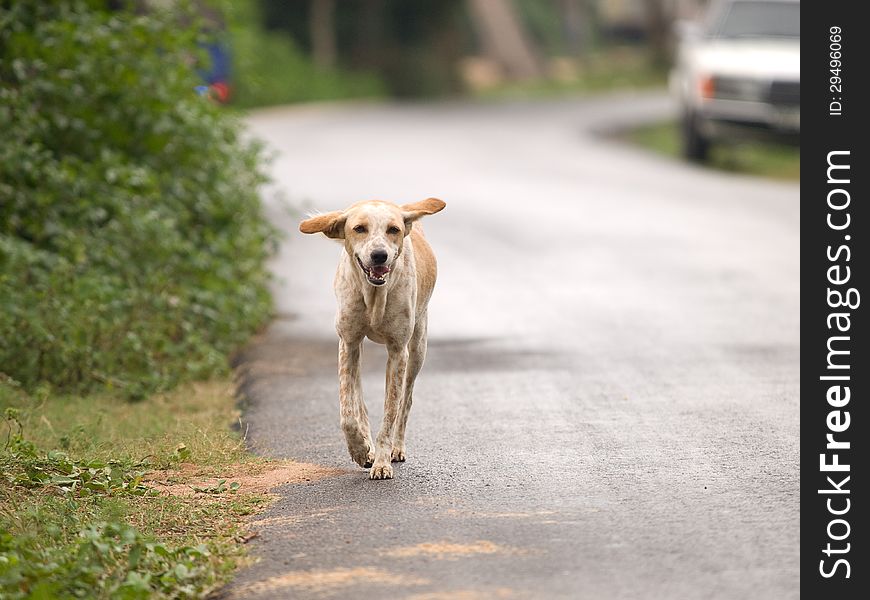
738, 74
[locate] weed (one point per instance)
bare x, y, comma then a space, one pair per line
86, 521
772, 160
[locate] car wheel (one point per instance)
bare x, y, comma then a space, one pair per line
696, 147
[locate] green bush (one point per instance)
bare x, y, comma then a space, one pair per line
269, 69
105, 560
62, 550
132, 243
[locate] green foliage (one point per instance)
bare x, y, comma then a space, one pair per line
269, 69
219, 488
65, 531
102, 559
105, 560
621, 68
132, 244
85, 520
765, 159
407, 49
22, 464
189, 424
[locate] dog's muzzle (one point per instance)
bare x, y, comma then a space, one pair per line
376, 274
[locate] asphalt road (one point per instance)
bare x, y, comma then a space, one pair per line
609, 408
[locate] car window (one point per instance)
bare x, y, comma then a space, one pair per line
758, 19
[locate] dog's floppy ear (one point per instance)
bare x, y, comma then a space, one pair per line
329, 224
415, 210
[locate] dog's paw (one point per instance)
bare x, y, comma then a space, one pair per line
363, 455
381, 472
398, 455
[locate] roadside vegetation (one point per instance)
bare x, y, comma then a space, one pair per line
614, 69
322, 50
132, 244
765, 159
82, 513
132, 264
269, 68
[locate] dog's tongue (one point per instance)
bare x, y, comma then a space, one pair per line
380, 270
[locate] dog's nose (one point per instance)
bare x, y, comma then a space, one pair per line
379, 257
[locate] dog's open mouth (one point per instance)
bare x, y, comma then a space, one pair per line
376, 274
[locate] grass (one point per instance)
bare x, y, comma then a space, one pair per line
776, 161
614, 69
79, 516
106, 427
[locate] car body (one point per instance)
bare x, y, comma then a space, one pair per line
738, 75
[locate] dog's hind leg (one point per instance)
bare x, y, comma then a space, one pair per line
416, 356
354, 417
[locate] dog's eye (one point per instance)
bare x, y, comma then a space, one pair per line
360, 229
392, 229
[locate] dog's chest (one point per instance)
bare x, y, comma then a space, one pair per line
387, 312
380, 316
392, 327
383, 314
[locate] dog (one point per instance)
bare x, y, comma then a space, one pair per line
383, 284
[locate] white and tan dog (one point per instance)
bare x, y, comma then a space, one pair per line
383, 285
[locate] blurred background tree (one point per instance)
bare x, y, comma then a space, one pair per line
289, 51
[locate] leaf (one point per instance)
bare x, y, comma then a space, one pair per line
182, 452
135, 555
62, 480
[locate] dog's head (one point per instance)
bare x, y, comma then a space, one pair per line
373, 232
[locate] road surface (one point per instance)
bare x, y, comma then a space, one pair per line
609, 408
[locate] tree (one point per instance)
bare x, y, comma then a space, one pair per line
504, 39
322, 26
575, 17
658, 26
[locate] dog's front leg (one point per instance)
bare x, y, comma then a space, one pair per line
397, 365
354, 418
